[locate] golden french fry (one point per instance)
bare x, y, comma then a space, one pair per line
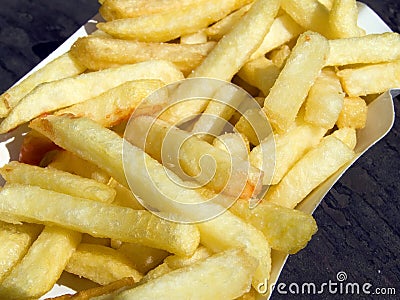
261, 73
115, 105
282, 30
184, 283
280, 225
247, 125
124, 196
278, 153
100, 264
142, 257
324, 101
353, 114
371, 48
370, 79
327, 3
279, 55
235, 143
173, 23
225, 173
223, 26
230, 54
158, 271
69, 91
43, 264
310, 171
177, 262
62, 67
347, 135
199, 37
310, 14
343, 18
56, 180
97, 218
68, 162
15, 242
98, 53
123, 9
87, 238
309, 56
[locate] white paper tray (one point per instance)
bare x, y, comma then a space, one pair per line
380, 120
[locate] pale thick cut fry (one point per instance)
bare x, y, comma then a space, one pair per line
223, 276
100, 292
282, 30
117, 104
97, 218
56, 180
124, 196
225, 173
353, 114
228, 231
199, 37
310, 171
123, 9
347, 135
98, 53
177, 262
253, 125
62, 67
69, 162
15, 242
279, 55
100, 264
343, 19
324, 101
171, 24
299, 73
235, 143
64, 92
222, 27
100, 145
279, 152
287, 230
41, 267
230, 54
371, 48
261, 73
371, 79
142, 257
310, 14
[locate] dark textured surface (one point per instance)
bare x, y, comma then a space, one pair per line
359, 231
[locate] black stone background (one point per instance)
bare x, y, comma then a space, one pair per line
359, 231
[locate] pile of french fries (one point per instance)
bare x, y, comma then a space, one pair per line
308, 65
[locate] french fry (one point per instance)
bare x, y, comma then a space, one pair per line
324, 101
309, 56
199, 37
87, 238
15, 242
56, 180
278, 153
69, 91
184, 283
123, 9
261, 73
98, 53
68, 162
310, 14
310, 171
347, 135
177, 262
38, 271
253, 125
115, 105
343, 19
219, 29
280, 225
171, 24
230, 54
371, 48
124, 196
353, 114
158, 271
357, 81
97, 219
93, 293
235, 143
155, 136
282, 30
143, 258
279, 55
62, 67
100, 264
